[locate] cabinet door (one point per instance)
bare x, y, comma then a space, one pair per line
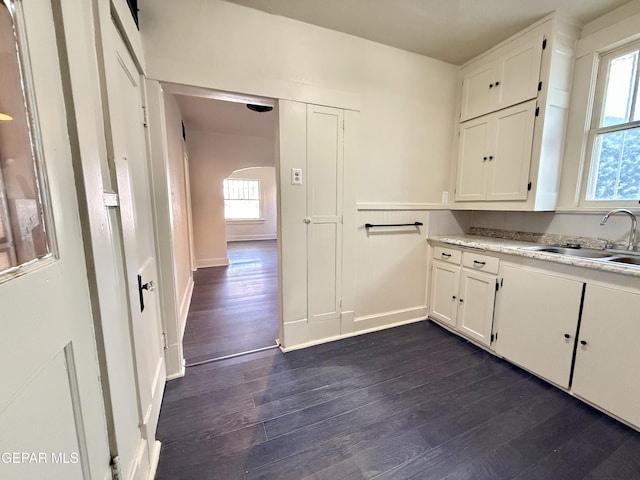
607, 365
475, 308
444, 291
518, 73
477, 91
510, 147
536, 320
472, 157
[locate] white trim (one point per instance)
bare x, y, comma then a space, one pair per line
348, 335
184, 307
402, 206
249, 238
154, 460
181, 372
212, 262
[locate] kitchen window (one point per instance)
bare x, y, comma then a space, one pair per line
241, 199
614, 137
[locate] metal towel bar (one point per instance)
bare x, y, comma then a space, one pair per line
373, 225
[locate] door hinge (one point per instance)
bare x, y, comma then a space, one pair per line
529, 187
115, 468
537, 111
165, 344
540, 86
145, 118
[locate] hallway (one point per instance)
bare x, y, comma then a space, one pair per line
234, 308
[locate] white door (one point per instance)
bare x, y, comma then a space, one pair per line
536, 319
131, 167
443, 302
607, 356
325, 154
518, 73
477, 91
473, 157
51, 404
510, 147
475, 310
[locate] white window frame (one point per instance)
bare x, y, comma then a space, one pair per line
260, 218
600, 85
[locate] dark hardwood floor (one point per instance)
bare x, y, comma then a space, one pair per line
412, 402
235, 308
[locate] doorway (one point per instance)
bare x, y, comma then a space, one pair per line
231, 169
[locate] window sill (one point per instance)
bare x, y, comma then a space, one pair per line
232, 221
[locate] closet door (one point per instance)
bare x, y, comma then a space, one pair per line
325, 156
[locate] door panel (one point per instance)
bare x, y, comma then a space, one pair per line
509, 169
475, 312
534, 311
51, 401
476, 94
472, 157
325, 141
519, 71
131, 167
444, 292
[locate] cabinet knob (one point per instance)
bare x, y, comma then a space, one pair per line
583, 342
497, 83
454, 297
484, 159
491, 85
490, 157
567, 336
461, 301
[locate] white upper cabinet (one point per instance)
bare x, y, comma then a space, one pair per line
509, 80
531, 69
495, 154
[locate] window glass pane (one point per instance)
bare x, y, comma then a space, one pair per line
22, 227
241, 199
620, 87
615, 173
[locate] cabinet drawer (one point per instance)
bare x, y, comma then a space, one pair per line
480, 262
449, 255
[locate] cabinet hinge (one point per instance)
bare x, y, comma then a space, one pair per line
501, 282
165, 344
341, 219
115, 468
492, 337
544, 43
145, 118
537, 111
529, 187
540, 86
340, 303
497, 285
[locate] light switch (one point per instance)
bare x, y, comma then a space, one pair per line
296, 176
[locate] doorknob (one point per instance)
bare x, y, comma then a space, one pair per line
307, 220
150, 286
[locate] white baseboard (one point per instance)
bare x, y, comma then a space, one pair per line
184, 307
250, 238
155, 459
174, 361
212, 262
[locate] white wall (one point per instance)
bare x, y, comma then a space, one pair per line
213, 157
180, 222
266, 228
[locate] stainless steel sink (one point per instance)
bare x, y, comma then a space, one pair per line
573, 252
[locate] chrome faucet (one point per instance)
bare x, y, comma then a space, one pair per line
634, 223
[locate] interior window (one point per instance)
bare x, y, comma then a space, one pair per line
614, 172
241, 199
22, 227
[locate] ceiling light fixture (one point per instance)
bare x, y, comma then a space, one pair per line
259, 108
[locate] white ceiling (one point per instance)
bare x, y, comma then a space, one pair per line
449, 30
225, 117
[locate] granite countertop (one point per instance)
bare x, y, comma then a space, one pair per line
519, 248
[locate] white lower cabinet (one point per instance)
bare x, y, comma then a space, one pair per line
463, 296
607, 367
536, 321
